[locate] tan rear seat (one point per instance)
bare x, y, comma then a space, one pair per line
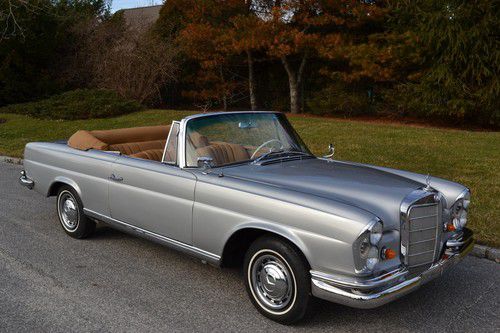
133, 134
130, 148
128, 141
151, 154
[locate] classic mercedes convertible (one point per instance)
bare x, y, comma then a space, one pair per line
242, 188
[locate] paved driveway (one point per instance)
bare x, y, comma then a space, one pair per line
115, 282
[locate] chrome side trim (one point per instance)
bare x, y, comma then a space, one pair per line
26, 181
172, 243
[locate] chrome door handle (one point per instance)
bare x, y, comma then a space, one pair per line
115, 178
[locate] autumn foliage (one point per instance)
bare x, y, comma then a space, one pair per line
432, 59
221, 34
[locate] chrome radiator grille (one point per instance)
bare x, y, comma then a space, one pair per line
420, 233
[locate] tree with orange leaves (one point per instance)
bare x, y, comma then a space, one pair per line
291, 31
299, 30
212, 33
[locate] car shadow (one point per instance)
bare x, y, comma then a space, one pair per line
105, 232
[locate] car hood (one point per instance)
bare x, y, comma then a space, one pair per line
365, 187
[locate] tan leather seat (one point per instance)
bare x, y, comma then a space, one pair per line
128, 141
151, 154
198, 140
133, 134
84, 140
130, 148
120, 139
224, 152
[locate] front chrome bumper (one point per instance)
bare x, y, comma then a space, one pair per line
26, 181
372, 293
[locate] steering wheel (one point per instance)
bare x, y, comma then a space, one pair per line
259, 148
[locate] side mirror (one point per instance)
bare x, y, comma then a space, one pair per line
205, 162
331, 151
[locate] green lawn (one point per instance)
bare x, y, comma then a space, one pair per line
471, 158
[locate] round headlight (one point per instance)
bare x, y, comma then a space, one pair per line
459, 211
366, 252
372, 258
364, 247
459, 217
376, 233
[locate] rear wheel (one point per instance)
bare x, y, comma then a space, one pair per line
277, 280
70, 213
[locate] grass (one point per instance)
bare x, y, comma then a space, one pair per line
467, 157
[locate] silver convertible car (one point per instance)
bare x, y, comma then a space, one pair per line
241, 188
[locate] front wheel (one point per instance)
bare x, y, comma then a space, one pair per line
277, 280
70, 213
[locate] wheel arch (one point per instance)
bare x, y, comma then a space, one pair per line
61, 181
243, 236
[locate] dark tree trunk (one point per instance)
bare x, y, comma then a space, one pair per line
251, 82
294, 82
224, 92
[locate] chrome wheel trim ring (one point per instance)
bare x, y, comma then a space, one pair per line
272, 282
67, 209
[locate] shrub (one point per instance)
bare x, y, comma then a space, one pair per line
77, 104
339, 99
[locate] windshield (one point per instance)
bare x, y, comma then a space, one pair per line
238, 137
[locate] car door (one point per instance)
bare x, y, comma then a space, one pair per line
154, 196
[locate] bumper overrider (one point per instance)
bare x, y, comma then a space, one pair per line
374, 292
26, 181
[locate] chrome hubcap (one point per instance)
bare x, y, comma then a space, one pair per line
272, 281
68, 211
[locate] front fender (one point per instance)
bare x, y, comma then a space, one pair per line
319, 250
279, 230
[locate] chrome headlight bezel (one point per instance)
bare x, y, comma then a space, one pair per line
366, 248
459, 210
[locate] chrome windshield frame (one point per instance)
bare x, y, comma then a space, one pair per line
183, 131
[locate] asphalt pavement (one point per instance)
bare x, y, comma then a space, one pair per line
114, 282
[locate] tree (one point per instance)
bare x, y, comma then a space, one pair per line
197, 27
216, 35
245, 35
299, 30
459, 60
37, 43
291, 37
360, 46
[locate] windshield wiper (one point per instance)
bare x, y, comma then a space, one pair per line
281, 151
